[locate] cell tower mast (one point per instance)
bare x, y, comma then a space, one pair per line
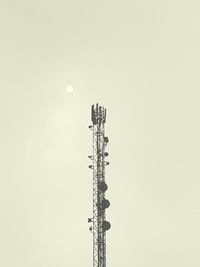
100, 203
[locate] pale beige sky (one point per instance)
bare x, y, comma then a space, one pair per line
140, 59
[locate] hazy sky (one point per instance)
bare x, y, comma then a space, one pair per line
140, 59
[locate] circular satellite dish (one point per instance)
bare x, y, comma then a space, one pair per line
106, 225
105, 203
103, 187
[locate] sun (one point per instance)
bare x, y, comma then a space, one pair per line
69, 89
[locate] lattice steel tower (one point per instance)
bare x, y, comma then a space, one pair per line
100, 203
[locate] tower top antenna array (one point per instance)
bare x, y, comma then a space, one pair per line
99, 223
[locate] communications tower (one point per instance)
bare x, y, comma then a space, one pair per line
100, 203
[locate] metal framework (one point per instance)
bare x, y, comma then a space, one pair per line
100, 203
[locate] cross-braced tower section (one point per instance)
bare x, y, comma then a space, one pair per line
100, 203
